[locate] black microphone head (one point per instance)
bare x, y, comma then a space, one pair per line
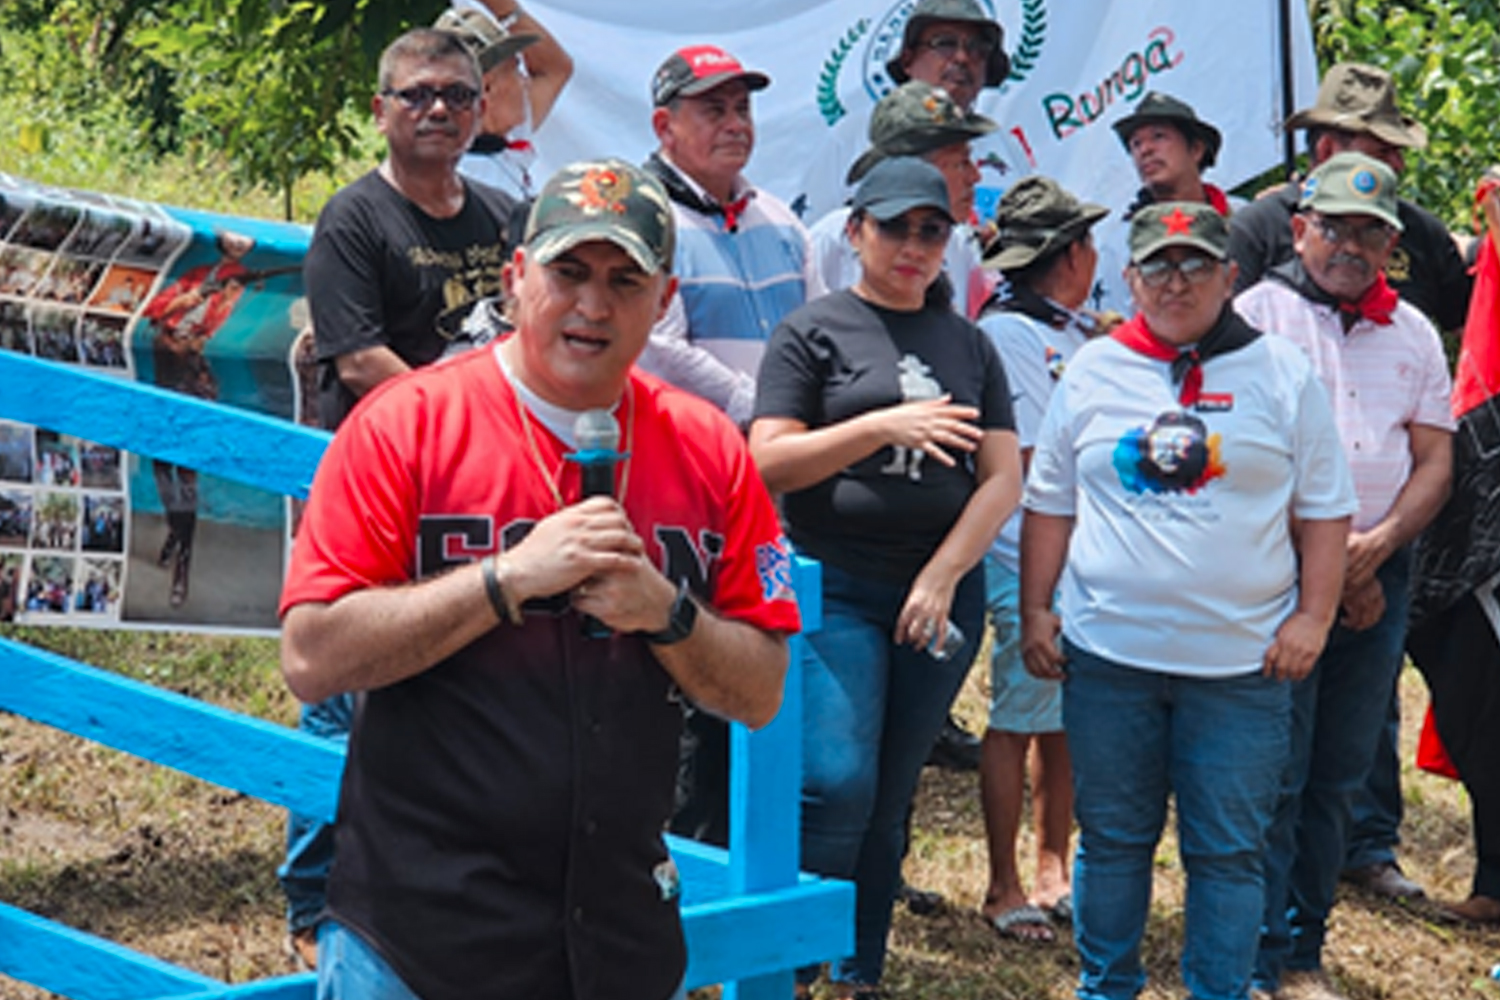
596, 431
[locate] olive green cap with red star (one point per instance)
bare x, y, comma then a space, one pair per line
1178, 224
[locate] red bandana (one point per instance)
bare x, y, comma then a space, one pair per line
1186, 365
1376, 305
733, 210
1218, 199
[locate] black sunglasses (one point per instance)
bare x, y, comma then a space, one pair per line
1194, 270
931, 232
456, 96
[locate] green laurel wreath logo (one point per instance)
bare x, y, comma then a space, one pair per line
1033, 36
829, 105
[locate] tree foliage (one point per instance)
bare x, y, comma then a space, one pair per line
277, 86
1445, 58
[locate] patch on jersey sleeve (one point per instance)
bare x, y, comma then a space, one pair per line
773, 563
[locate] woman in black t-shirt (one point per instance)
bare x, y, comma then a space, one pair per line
884, 418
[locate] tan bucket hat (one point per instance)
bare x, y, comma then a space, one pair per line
1356, 97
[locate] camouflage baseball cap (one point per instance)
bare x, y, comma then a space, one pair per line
1355, 97
996, 67
482, 35
606, 200
1178, 224
1035, 217
1157, 107
914, 119
1352, 184
698, 69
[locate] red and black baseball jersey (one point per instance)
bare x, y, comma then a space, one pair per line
501, 813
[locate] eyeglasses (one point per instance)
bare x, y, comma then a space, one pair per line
456, 96
1372, 236
930, 233
1194, 270
947, 46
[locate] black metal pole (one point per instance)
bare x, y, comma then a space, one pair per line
1288, 141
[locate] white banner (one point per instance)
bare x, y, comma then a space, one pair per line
1077, 66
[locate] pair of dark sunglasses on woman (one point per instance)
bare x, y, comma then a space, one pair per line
928, 232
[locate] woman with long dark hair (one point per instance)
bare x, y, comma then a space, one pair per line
883, 419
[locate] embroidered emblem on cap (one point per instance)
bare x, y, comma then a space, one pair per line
602, 190
1365, 183
1178, 223
1309, 188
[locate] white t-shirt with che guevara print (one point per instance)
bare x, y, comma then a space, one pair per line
1181, 557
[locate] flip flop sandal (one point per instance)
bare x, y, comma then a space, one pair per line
1026, 923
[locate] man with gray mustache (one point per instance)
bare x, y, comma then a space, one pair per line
1383, 366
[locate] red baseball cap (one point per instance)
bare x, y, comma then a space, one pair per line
698, 69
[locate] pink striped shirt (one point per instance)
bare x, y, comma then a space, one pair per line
1381, 379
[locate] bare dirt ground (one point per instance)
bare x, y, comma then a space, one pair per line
185, 871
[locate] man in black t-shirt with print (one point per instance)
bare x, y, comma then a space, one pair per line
398, 259
400, 256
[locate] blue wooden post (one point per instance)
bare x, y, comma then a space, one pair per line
765, 840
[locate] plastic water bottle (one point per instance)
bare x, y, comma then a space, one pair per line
946, 644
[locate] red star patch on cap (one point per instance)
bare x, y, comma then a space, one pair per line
1178, 223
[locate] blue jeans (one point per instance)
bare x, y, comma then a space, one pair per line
309, 842
349, 969
1338, 712
1219, 745
871, 712
1375, 819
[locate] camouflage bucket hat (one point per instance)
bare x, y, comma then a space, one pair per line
996, 67
606, 200
482, 35
1035, 217
1355, 97
914, 119
1352, 184
1178, 224
1156, 107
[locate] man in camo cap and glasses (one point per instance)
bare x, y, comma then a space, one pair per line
1385, 372
916, 119
509, 774
1356, 111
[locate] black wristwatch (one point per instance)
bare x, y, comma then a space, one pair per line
680, 625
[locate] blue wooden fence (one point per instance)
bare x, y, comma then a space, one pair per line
749, 916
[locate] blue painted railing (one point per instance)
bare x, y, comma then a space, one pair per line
749, 916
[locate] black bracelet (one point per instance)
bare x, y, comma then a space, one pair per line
495, 591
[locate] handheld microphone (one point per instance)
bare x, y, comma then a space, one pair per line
596, 435
596, 438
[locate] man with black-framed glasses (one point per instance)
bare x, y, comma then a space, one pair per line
397, 261
951, 44
1383, 365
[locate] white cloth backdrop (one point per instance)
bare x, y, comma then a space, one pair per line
1082, 64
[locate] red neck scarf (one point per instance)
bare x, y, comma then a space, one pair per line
1229, 333
1376, 305
1217, 198
733, 210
